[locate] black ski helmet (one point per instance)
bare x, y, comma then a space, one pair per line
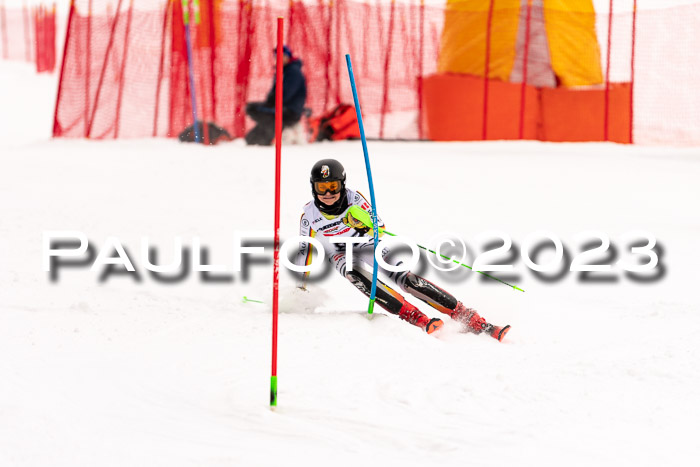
327, 170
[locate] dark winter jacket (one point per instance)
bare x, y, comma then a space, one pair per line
294, 89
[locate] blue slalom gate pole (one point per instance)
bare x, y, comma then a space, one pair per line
190, 69
358, 111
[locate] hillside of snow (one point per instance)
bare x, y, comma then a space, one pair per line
134, 371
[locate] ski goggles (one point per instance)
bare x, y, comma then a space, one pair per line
331, 185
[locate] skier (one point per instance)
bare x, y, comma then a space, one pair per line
327, 216
293, 100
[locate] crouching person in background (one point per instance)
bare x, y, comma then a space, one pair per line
293, 100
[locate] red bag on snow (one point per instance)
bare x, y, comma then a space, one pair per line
339, 123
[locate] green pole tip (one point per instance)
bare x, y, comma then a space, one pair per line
246, 300
273, 391
370, 310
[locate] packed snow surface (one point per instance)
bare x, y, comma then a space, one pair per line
140, 373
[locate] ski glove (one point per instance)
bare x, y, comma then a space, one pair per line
358, 225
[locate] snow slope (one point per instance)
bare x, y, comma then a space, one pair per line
141, 373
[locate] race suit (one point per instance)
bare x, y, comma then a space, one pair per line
323, 227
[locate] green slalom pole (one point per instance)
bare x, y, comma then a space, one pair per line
364, 217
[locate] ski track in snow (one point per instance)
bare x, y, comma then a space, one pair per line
126, 373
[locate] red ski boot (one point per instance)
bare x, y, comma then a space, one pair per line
472, 322
416, 317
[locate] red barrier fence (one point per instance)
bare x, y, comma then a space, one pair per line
124, 71
16, 35
45, 34
29, 34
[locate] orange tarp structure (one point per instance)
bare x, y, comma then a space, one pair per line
573, 44
574, 53
576, 115
453, 111
453, 107
489, 47
464, 37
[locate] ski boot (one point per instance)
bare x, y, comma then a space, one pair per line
416, 317
472, 322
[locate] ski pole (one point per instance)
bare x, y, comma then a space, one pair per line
358, 111
190, 69
363, 216
246, 300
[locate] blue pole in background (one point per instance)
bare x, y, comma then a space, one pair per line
358, 111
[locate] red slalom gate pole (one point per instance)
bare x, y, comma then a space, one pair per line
421, 28
523, 86
168, 5
278, 162
387, 60
57, 130
100, 81
487, 60
27, 32
120, 91
3, 26
606, 118
634, 36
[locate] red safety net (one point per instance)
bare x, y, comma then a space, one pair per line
45, 38
124, 70
29, 34
16, 35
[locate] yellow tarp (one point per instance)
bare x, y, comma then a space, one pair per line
570, 25
573, 44
463, 46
